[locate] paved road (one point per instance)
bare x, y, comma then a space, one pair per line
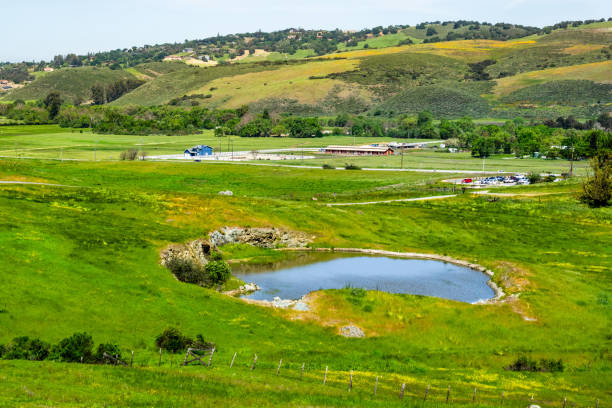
394, 201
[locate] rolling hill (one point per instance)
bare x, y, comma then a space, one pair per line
527, 76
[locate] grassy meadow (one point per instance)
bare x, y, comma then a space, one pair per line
86, 258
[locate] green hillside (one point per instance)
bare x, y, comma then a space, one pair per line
452, 78
74, 84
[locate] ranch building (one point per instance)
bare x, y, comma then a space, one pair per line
199, 150
359, 150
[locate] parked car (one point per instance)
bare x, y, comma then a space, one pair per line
467, 180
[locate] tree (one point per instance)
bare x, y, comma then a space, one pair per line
97, 94
425, 117
483, 147
53, 102
597, 189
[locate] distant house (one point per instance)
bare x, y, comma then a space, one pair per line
359, 150
3, 82
199, 150
188, 50
48, 69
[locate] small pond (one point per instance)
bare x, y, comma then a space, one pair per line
310, 271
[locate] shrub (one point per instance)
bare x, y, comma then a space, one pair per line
552, 365
218, 271
216, 256
108, 348
534, 178
130, 154
328, 166
524, 363
172, 340
187, 271
350, 166
75, 348
597, 189
24, 348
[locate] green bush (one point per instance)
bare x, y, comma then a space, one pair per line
172, 340
216, 256
218, 271
108, 348
328, 166
524, 363
76, 348
350, 166
534, 178
24, 348
187, 271
597, 189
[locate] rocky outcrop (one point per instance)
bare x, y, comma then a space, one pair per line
260, 237
279, 303
245, 289
197, 251
351, 331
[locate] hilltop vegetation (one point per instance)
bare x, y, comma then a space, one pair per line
459, 68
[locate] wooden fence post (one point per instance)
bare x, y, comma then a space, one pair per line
426, 393
502, 399
302, 372
351, 381
132, 359
279, 366
233, 358
402, 390
474, 396
254, 361
325, 376
564, 401
447, 394
376, 386
211, 356
159, 364
597, 403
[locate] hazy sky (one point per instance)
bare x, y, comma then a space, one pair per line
39, 29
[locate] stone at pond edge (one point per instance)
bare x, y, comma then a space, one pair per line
351, 331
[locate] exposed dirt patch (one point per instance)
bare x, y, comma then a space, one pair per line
515, 279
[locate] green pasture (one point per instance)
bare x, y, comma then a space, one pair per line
428, 159
53, 142
86, 258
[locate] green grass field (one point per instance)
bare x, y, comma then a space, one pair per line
53, 142
86, 258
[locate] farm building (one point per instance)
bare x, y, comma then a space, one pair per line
199, 150
359, 150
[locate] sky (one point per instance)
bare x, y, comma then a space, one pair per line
39, 29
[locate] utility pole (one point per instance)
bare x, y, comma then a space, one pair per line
483, 165
402, 161
572, 161
95, 150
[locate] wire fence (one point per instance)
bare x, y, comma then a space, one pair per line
367, 384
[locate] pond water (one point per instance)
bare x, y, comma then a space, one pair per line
311, 271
